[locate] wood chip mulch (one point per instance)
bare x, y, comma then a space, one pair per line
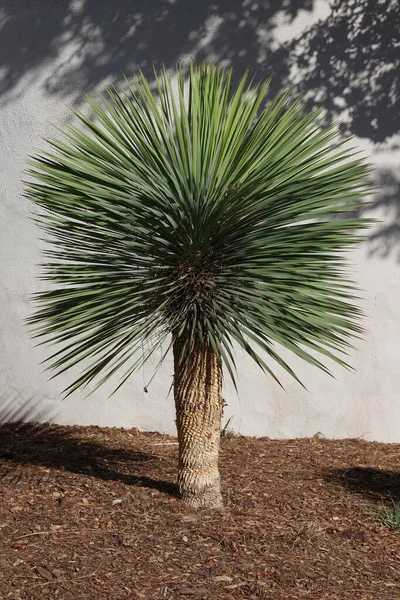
90, 513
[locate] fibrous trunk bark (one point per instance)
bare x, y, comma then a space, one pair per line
198, 403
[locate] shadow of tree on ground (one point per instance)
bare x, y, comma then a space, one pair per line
374, 484
51, 446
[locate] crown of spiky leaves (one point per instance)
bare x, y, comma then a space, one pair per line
193, 210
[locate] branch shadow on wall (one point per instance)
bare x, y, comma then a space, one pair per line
346, 61
58, 448
18, 408
384, 240
105, 39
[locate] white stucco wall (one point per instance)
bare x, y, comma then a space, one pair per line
341, 58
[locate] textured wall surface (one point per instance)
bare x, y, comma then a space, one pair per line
341, 54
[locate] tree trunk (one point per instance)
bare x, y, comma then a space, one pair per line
198, 402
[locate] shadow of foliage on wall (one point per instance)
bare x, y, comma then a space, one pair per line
346, 61
19, 407
342, 55
384, 239
349, 64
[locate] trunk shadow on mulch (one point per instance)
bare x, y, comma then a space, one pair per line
374, 484
56, 447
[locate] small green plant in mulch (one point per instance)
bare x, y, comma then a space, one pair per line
389, 515
226, 429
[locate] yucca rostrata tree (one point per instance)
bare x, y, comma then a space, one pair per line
191, 213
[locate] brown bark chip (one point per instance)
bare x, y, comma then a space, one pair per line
92, 513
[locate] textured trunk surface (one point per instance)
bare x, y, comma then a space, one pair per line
198, 402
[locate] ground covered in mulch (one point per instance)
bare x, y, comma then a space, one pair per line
90, 513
